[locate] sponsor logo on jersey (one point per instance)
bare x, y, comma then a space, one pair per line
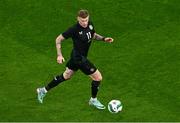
80, 33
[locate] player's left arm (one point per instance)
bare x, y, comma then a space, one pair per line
102, 38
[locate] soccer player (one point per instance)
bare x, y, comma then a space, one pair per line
82, 34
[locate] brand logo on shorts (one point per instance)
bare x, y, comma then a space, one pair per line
90, 27
92, 69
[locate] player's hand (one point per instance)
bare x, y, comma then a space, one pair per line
108, 39
60, 59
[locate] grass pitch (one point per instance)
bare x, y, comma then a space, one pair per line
141, 68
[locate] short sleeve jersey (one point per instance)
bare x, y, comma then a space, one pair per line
81, 37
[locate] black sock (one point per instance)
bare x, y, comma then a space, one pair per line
94, 88
58, 79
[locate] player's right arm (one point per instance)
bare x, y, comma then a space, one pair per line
60, 58
65, 35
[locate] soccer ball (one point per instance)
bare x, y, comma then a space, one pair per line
115, 106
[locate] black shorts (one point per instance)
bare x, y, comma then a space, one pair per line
83, 64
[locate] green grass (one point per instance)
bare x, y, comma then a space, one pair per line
141, 68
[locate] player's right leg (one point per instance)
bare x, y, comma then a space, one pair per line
56, 81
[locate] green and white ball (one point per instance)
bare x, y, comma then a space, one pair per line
115, 106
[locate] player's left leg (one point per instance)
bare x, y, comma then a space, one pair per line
96, 80
89, 69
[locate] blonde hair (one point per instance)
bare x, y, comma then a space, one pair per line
83, 13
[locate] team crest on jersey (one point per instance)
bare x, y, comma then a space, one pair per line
90, 27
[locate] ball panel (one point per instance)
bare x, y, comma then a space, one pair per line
110, 107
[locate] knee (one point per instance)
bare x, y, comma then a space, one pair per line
98, 77
67, 74
66, 77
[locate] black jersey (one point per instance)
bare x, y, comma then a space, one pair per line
81, 37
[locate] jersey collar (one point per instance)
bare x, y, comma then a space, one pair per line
81, 26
